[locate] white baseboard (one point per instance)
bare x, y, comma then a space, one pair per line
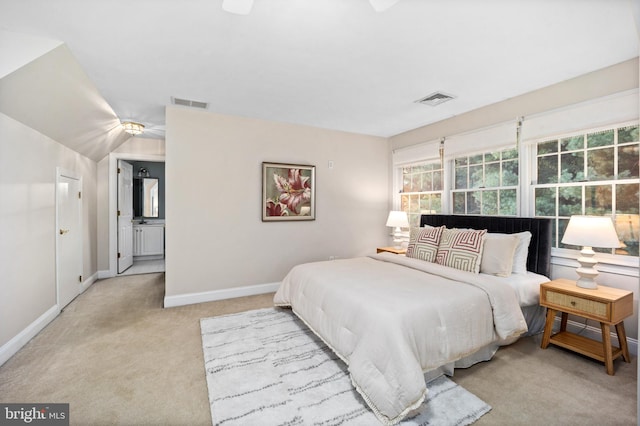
14, 345
596, 334
10, 348
87, 283
104, 274
227, 293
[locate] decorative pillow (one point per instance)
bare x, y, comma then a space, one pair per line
522, 252
497, 254
461, 249
423, 243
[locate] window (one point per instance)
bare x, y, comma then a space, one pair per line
593, 173
487, 183
421, 190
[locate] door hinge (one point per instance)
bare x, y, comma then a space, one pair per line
118, 169
118, 212
118, 255
80, 195
80, 278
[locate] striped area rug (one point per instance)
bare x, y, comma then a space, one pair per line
265, 367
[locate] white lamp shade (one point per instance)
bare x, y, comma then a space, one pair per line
591, 231
398, 219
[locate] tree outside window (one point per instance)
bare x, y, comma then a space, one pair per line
487, 183
421, 190
592, 173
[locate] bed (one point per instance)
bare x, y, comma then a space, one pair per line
397, 321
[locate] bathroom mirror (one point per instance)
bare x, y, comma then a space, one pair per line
145, 197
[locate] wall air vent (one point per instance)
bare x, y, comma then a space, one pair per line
435, 98
189, 103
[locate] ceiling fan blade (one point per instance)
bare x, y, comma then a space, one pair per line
239, 7
382, 5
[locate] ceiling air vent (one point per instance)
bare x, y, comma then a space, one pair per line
189, 103
435, 98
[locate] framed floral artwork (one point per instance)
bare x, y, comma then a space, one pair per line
288, 192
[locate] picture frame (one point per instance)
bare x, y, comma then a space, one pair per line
288, 192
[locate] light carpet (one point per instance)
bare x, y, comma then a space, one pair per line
265, 367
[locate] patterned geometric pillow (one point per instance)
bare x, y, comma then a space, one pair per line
461, 249
423, 243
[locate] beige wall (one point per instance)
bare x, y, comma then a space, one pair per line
215, 238
28, 162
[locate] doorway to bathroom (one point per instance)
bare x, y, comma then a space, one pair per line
136, 214
145, 213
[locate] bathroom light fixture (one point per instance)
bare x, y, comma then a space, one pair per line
590, 231
132, 127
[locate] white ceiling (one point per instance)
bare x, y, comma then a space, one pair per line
328, 63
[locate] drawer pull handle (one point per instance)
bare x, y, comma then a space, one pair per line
573, 303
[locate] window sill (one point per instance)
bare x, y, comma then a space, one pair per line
620, 265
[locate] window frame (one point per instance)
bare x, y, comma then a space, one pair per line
584, 183
484, 189
399, 172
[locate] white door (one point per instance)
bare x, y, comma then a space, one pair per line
68, 236
125, 216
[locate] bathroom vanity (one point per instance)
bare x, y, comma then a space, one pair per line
148, 239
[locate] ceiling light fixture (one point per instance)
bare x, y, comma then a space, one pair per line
132, 127
238, 7
382, 5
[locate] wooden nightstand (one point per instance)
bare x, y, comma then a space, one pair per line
609, 306
391, 250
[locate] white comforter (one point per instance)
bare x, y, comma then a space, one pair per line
392, 318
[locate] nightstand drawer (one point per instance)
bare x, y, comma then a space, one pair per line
577, 304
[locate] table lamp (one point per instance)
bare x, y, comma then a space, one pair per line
397, 220
588, 232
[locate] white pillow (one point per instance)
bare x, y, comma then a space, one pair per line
497, 254
522, 252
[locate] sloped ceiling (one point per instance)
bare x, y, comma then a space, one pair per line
330, 63
53, 95
17, 50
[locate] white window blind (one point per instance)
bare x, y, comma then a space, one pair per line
486, 139
600, 112
603, 111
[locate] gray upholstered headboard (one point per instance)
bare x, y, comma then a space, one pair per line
539, 259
